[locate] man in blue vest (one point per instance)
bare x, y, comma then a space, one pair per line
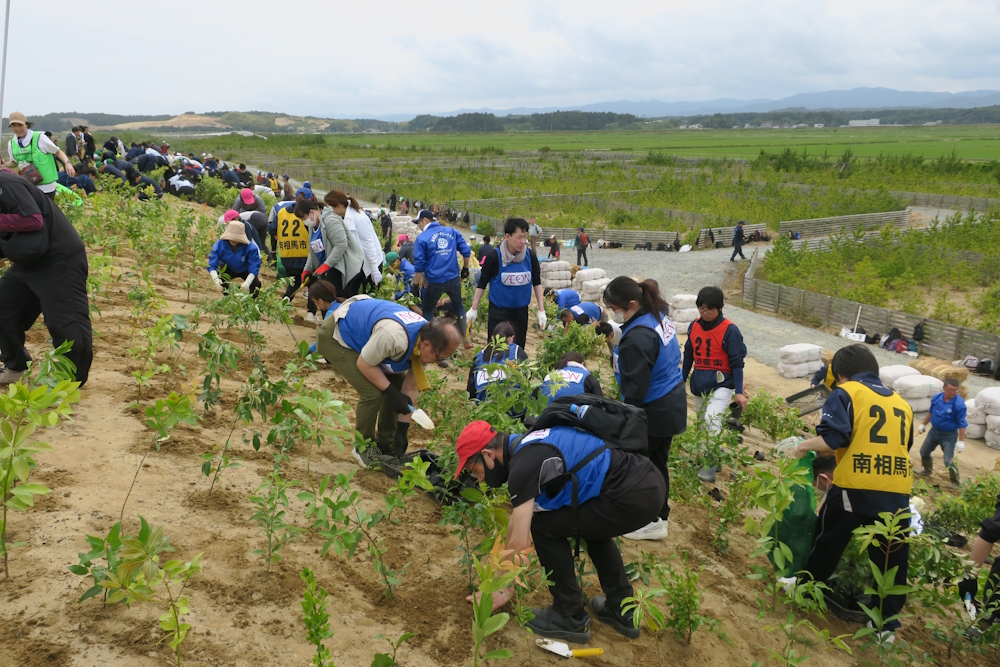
436, 267
512, 275
380, 347
616, 492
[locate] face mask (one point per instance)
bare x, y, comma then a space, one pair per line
618, 318
496, 477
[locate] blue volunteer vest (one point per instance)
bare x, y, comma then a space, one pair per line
666, 373
316, 243
591, 310
356, 327
566, 298
484, 377
574, 446
572, 376
511, 287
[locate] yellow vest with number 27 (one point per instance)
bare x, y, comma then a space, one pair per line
877, 458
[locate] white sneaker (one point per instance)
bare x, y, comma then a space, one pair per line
655, 530
311, 318
7, 376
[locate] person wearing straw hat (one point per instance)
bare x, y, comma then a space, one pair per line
235, 256
33, 152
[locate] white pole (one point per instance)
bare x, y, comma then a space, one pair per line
3, 71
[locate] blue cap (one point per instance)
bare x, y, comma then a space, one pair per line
305, 192
425, 214
307, 185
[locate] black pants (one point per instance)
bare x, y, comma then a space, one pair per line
991, 596
581, 252
659, 454
834, 531
234, 281
737, 250
56, 289
518, 318
290, 291
600, 520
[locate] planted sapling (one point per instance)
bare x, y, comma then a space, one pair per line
316, 618
271, 502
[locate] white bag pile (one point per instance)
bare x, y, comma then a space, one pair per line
988, 402
977, 420
593, 290
683, 309
403, 224
917, 390
889, 374
585, 275
800, 360
555, 275
975, 431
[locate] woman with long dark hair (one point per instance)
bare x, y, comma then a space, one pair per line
647, 366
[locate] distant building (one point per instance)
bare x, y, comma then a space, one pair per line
696, 126
766, 125
933, 122
800, 125
863, 123
818, 125
747, 126
683, 127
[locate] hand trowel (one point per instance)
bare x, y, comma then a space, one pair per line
563, 649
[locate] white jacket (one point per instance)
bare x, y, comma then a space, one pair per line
364, 230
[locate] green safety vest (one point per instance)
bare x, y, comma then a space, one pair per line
45, 163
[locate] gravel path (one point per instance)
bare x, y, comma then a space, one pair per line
686, 273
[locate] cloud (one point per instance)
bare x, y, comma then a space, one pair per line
349, 59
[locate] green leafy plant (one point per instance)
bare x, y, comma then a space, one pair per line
105, 548
574, 339
271, 503
495, 575
386, 660
316, 618
769, 413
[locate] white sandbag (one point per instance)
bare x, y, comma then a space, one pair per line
993, 424
558, 275
992, 439
988, 400
586, 275
800, 353
593, 286
794, 370
973, 414
682, 301
814, 366
919, 404
917, 386
889, 374
975, 431
546, 267
684, 316
556, 284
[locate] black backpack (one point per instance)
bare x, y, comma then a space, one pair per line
918, 331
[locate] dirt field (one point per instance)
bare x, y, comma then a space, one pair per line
244, 616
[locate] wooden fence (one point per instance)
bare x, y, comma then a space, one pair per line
827, 226
941, 340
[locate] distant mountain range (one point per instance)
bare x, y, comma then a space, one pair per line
856, 98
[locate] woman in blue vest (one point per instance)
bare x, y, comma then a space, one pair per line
584, 314
616, 491
380, 348
647, 366
480, 376
512, 276
570, 377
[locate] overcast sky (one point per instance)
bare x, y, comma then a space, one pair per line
348, 59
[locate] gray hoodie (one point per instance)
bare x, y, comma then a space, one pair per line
343, 252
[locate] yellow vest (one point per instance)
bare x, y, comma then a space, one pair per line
293, 236
829, 380
877, 458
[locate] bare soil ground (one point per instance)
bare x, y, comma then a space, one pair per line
243, 616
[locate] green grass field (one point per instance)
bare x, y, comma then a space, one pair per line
971, 142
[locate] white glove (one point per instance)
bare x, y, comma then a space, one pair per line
216, 279
960, 446
923, 427
470, 317
542, 321
248, 282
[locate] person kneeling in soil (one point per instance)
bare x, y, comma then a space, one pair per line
716, 351
617, 492
570, 377
480, 376
584, 314
870, 428
235, 256
380, 347
948, 423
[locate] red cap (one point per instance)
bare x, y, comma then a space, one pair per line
473, 439
246, 194
230, 215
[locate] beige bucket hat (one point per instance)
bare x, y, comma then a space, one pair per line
235, 231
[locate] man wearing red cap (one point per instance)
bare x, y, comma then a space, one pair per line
616, 492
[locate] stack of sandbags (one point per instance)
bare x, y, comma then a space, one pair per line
917, 390
800, 360
585, 275
683, 309
889, 374
555, 275
941, 370
988, 402
403, 224
977, 420
593, 290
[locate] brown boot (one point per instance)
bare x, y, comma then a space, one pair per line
928, 464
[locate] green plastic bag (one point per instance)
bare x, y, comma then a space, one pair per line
279, 271
798, 523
